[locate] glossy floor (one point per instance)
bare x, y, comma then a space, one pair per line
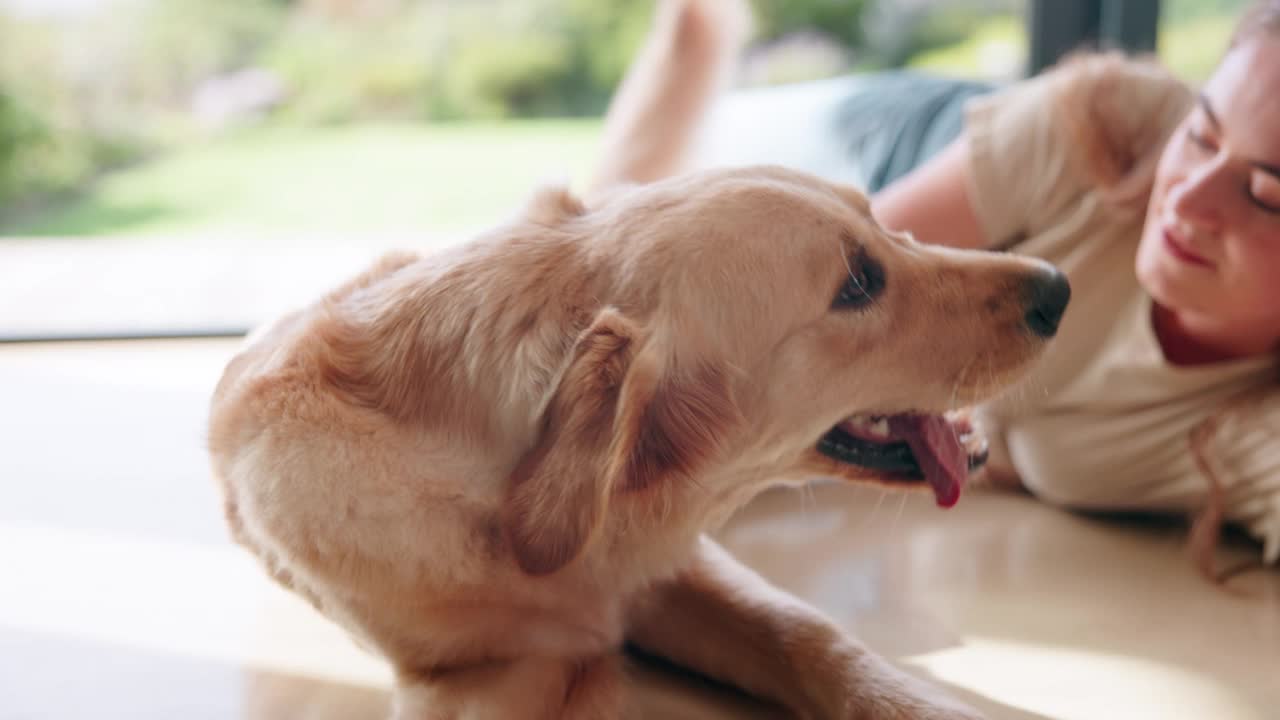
120, 596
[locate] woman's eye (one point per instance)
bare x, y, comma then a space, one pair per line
1201, 140
864, 282
1264, 190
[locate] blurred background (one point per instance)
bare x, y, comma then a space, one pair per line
172, 170
192, 166
281, 117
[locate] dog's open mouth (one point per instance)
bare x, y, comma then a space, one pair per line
910, 447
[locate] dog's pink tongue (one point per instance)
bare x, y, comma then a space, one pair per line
938, 451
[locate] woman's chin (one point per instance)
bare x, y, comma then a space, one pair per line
1170, 284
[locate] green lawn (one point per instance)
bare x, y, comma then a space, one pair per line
364, 179
422, 178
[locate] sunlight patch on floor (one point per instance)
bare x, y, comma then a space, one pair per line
205, 602
1074, 684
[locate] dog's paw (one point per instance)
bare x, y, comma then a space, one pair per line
934, 706
949, 712
915, 708
887, 693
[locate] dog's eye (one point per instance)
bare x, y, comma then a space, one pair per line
863, 283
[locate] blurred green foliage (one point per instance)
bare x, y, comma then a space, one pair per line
81, 94
841, 20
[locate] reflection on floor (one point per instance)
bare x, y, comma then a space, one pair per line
122, 598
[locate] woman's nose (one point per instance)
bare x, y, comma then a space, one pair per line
1200, 197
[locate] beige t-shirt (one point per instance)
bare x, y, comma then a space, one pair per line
1103, 422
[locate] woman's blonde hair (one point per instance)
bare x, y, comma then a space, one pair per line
1261, 19
1123, 164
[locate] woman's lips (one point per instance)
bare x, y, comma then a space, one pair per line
1179, 250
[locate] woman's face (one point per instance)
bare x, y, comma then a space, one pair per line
1211, 244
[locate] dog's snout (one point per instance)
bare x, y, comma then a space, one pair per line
1047, 293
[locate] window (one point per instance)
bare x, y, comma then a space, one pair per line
1194, 34
191, 167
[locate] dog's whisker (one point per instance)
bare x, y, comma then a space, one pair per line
879, 501
811, 495
893, 526
959, 383
1021, 393
961, 378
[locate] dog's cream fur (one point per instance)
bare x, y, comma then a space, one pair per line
495, 465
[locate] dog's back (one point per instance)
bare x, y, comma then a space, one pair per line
364, 446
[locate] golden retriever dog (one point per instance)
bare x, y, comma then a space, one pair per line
496, 465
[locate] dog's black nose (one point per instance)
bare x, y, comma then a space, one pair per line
1047, 293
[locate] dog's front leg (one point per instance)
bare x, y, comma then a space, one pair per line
531, 688
721, 619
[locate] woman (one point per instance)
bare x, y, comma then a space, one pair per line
1160, 203
1163, 206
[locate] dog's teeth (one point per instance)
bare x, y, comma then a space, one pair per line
869, 425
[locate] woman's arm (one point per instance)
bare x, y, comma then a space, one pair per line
932, 202
657, 110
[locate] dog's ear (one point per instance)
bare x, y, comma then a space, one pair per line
622, 419
559, 491
673, 417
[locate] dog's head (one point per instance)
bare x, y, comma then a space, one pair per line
764, 327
